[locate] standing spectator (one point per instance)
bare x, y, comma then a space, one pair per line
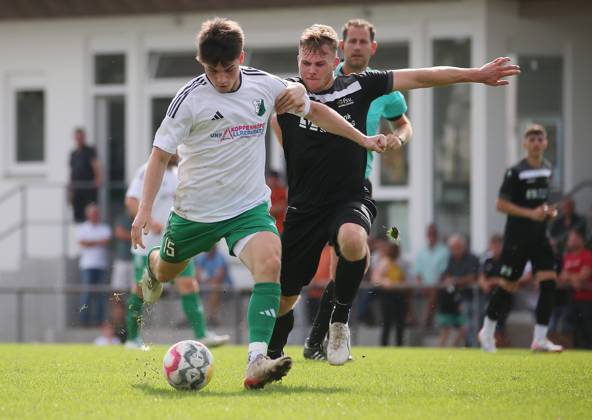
429, 267
316, 287
121, 273
488, 280
85, 176
461, 274
212, 271
567, 220
577, 271
279, 198
93, 237
389, 275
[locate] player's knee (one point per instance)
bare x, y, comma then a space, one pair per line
287, 303
186, 285
352, 240
269, 266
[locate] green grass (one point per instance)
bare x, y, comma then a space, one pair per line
77, 381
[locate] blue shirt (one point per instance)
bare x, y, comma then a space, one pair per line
387, 106
210, 266
431, 263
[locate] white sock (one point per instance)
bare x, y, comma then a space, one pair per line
489, 327
257, 348
540, 332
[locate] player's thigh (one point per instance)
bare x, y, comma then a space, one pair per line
183, 239
261, 255
303, 240
359, 213
515, 255
543, 260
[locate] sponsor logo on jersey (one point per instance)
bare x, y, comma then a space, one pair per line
345, 102
259, 107
309, 125
217, 116
239, 132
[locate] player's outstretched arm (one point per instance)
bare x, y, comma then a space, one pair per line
490, 74
331, 121
157, 164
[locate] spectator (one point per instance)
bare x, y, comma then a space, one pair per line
567, 220
122, 272
389, 276
212, 271
461, 275
577, 272
429, 267
279, 198
316, 287
107, 337
85, 176
488, 279
93, 237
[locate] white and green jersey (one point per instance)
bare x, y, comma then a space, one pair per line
161, 208
220, 139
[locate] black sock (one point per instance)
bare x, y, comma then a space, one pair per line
348, 277
279, 338
320, 325
546, 302
499, 304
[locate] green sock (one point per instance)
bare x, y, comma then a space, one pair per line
263, 309
194, 312
135, 308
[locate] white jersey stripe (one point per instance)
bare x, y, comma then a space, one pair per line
329, 97
535, 173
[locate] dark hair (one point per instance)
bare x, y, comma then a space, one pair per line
220, 41
394, 251
316, 36
358, 23
535, 129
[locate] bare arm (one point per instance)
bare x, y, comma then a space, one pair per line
132, 204
98, 173
122, 234
491, 74
276, 129
157, 164
400, 134
330, 120
537, 214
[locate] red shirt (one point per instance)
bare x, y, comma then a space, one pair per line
574, 262
279, 199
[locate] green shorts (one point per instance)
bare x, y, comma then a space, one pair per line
140, 265
184, 238
450, 320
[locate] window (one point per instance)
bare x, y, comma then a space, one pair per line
109, 69
173, 65
452, 143
30, 126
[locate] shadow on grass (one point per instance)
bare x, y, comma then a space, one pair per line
278, 389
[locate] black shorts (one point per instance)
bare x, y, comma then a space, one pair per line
306, 234
517, 252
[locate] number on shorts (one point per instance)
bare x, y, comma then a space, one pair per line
169, 248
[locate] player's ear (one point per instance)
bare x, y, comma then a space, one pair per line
373, 47
241, 58
341, 43
336, 61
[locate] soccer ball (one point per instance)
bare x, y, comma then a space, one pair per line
188, 365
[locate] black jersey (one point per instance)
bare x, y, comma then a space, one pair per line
322, 168
491, 267
528, 187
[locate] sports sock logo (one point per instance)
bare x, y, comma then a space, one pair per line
269, 312
217, 116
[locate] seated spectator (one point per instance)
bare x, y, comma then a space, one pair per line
107, 336
449, 314
315, 289
429, 267
212, 271
390, 276
93, 237
567, 220
577, 272
461, 275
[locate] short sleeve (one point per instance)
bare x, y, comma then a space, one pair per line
175, 128
507, 188
395, 105
92, 153
137, 185
376, 82
278, 89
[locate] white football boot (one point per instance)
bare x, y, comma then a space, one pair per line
545, 346
263, 370
136, 344
212, 339
339, 347
487, 342
151, 288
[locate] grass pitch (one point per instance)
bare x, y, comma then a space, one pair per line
82, 381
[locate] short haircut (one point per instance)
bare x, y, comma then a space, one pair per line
316, 36
220, 41
535, 129
496, 237
358, 23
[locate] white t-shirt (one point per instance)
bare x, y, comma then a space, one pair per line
94, 256
162, 206
220, 138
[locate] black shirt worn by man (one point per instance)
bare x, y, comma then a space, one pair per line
467, 265
81, 164
323, 168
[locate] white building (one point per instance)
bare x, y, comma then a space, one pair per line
112, 67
